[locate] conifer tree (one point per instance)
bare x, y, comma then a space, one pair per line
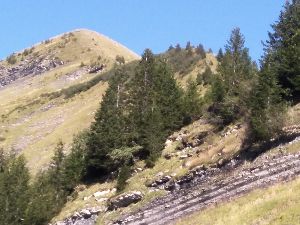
236, 73
109, 130
220, 55
75, 162
283, 49
14, 187
267, 108
155, 101
201, 51
191, 103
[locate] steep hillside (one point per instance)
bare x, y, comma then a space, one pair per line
33, 120
199, 161
49, 92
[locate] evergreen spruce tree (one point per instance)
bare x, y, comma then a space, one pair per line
201, 51
267, 108
14, 191
191, 103
109, 130
177, 48
220, 55
283, 49
75, 162
155, 102
236, 72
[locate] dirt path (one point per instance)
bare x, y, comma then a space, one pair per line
202, 192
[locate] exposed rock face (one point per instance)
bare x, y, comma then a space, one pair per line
124, 200
159, 181
97, 69
213, 185
83, 217
30, 66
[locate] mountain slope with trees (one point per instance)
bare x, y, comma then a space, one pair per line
162, 119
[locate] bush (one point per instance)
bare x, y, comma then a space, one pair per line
123, 176
12, 59
206, 77
120, 59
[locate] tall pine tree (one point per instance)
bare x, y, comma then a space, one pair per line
283, 49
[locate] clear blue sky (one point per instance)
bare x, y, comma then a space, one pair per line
139, 24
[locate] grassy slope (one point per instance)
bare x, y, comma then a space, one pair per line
33, 125
215, 147
279, 204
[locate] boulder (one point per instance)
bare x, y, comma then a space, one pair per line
167, 156
170, 185
124, 200
85, 213
185, 179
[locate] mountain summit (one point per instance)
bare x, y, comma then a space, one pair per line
33, 120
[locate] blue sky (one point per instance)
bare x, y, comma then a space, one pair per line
139, 24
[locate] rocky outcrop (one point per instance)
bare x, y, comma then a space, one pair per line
124, 200
96, 69
83, 217
213, 185
30, 66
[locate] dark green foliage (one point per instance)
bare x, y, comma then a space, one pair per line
109, 130
267, 107
188, 46
182, 60
192, 103
75, 162
45, 201
283, 49
236, 74
201, 51
14, 186
177, 48
220, 55
136, 114
206, 77
123, 176
170, 48
49, 191
155, 109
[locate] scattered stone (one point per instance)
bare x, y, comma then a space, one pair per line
124, 200
101, 199
186, 179
170, 185
101, 193
189, 154
159, 174
85, 213
167, 156
83, 217
173, 174
87, 198
183, 157
139, 169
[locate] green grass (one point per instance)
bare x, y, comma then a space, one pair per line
279, 204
